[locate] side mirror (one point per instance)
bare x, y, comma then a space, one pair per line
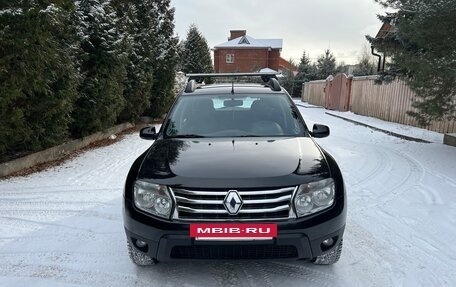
320, 131
148, 133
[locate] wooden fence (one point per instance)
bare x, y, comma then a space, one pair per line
389, 102
314, 92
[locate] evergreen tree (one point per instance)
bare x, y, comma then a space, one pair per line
289, 81
80, 66
341, 68
423, 53
151, 53
102, 66
326, 65
196, 57
306, 70
136, 19
364, 67
37, 76
180, 55
165, 55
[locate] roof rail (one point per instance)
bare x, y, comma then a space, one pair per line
270, 79
265, 76
274, 85
191, 86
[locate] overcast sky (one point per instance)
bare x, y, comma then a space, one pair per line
310, 25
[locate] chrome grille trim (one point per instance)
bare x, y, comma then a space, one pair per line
258, 205
260, 201
248, 201
223, 193
242, 211
196, 201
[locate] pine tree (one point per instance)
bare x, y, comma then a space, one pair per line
423, 53
196, 57
102, 66
326, 65
37, 76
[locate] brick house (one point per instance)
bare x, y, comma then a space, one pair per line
388, 30
243, 53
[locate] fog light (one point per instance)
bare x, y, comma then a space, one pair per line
328, 242
140, 244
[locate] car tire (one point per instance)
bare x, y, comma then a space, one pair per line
330, 257
138, 257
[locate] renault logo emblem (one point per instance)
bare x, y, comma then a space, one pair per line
232, 202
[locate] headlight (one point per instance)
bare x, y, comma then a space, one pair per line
152, 198
315, 196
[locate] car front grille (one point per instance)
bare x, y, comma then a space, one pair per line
207, 205
234, 252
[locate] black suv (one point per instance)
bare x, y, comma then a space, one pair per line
234, 173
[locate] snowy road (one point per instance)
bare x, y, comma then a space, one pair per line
63, 227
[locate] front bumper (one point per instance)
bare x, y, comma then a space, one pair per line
295, 240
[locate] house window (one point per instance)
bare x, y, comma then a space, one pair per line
229, 58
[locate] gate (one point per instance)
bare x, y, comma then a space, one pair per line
337, 92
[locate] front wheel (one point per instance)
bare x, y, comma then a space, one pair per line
331, 257
138, 257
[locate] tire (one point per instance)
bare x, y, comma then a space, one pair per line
138, 257
330, 257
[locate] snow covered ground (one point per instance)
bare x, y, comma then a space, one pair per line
63, 227
384, 125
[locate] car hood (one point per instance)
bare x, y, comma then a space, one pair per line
234, 162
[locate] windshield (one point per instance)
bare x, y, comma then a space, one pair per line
234, 116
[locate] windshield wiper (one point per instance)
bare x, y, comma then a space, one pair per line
187, 136
249, 136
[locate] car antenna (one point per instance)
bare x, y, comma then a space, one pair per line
232, 87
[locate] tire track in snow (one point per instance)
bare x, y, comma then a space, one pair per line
376, 156
106, 165
394, 189
14, 220
396, 184
430, 195
416, 251
448, 180
389, 181
410, 262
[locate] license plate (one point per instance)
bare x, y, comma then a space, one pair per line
233, 231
